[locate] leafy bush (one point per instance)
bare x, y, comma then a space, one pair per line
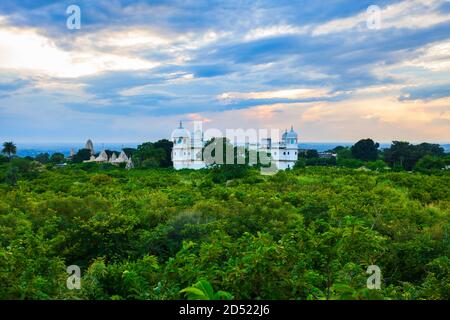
308, 233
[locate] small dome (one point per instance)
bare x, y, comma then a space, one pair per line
180, 132
292, 134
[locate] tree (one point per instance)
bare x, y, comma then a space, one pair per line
57, 158
81, 155
344, 153
300, 163
12, 175
429, 149
129, 151
400, 155
148, 155
350, 163
167, 146
365, 150
377, 165
429, 163
404, 155
3, 159
43, 158
9, 148
321, 161
311, 154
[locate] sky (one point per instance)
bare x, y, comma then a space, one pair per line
336, 70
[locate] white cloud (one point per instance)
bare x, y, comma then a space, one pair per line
411, 14
275, 30
435, 57
425, 66
26, 51
301, 93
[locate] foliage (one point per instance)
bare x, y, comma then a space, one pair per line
344, 153
404, 155
81, 155
203, 290
57, 158
43, 158
365, 150
309, 154
429, 163
3, 159
9, 148
308, 233
350, 163
378, 165
153, 155
167, 146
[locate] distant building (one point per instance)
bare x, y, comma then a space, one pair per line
284, 153
187, 149
113, 159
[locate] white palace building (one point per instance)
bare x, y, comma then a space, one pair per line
187, 148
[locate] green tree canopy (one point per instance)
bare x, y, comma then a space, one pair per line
311, 154
405, 155
9, 148
152, 155
167, 146
57, 158
81, 155
429, 163
365, 150
43, 158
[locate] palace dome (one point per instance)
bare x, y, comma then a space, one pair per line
180, 132
292, 134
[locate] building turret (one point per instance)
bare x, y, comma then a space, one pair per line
291, 137
187, 149
90, 146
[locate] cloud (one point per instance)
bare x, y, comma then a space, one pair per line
27, 51
273, 31
435, 57
411, 14
271, 63
299, 93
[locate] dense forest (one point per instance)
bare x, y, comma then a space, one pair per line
156, 233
